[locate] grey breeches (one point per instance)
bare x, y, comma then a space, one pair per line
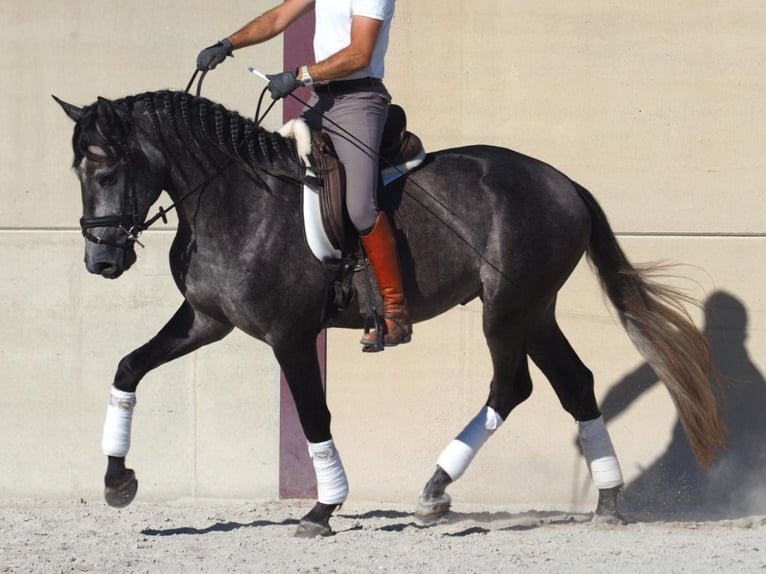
362, 114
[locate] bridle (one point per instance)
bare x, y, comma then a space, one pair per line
132, 225
130, 221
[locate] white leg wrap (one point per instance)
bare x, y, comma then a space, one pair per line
332, 484
459, 453
119, 416
599, 454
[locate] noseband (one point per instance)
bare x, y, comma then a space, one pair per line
124, 222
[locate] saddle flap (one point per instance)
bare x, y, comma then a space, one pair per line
400, 152
332, 192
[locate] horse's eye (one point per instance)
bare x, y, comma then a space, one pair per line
107, 180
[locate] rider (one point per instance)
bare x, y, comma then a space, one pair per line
350, 44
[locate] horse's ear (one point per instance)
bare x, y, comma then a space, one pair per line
106, 117
72, 111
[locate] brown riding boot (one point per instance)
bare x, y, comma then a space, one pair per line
380, 246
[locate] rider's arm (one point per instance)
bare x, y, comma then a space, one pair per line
355, 56
270, 23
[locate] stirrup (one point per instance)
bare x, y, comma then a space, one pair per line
377, 327
374, 341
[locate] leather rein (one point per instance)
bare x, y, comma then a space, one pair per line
129, 220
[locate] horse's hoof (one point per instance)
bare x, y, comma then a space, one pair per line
609, 519
429, 512
308, 529
121, 495
606, 510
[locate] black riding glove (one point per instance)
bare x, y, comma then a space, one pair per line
213, 55
282, 85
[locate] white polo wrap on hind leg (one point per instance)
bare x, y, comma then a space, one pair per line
454, 460
332, 484
599, 454
119, 417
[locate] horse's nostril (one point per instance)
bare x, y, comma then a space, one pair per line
104, 268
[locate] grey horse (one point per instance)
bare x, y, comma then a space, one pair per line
475, 221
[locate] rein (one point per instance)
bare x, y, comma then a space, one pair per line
130, 223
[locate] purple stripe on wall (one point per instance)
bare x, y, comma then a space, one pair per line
298, 51
296, 473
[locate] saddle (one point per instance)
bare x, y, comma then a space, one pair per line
400, 152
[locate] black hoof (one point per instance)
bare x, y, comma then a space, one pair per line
609, 519
122, 494
317, 522
431, 511
308, 529
606, 510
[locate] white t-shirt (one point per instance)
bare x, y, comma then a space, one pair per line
333, 30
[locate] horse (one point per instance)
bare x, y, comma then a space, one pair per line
474, 221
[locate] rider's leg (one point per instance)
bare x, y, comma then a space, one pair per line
356, 133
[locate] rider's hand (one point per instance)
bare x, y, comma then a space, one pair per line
282, 85
213, 55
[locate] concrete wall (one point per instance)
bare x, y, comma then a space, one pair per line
657, 108
63, 330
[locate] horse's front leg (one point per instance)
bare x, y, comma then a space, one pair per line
300, 366
186, 331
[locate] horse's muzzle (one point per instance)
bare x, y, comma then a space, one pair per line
108, 261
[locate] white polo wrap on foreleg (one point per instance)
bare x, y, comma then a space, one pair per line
599, 454
332, 484
119, 416
454, 460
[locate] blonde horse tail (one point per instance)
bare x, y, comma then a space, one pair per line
659, 326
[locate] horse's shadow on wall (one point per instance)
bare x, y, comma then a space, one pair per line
735, 484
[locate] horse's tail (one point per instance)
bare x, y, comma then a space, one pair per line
661, 329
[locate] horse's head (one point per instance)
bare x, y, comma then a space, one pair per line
118, 180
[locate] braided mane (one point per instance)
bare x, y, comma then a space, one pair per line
199, 123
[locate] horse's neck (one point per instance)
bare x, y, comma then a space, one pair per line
195, 133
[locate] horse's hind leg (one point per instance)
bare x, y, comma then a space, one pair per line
573, 383
511, 385
186, 331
